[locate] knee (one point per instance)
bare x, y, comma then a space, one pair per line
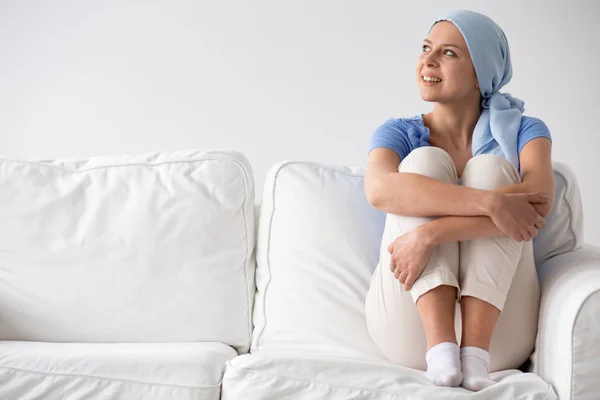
489, 172
432, 162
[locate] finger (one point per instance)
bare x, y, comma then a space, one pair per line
392, 266
390, 248
540, 224
532, 232
409, 282
403, 276
397, 272
526, 236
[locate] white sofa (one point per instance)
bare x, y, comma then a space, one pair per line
155, 276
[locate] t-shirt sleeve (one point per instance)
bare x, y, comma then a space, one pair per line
531, 128
391, 134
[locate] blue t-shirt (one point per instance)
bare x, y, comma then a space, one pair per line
403, 135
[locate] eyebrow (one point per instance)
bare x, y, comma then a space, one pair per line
445, 44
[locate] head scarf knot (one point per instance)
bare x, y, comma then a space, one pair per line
498, 125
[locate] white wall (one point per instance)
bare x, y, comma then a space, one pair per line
275, 80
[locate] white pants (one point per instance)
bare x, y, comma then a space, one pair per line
499, 270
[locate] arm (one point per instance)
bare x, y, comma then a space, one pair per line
537, 176
411, 194
405, 193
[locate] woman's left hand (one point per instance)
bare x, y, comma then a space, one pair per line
410, 254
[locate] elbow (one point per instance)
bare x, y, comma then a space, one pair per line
545, 209
373, 197
372, 191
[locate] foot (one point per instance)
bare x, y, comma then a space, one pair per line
443, 364
475, 364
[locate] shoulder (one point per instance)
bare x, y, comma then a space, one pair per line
400, 134
531, 128
529, 124
394, 124
409, 126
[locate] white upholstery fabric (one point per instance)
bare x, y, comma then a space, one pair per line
567, 353
143, 248
74, 371
264, 376
564, 226
318, 244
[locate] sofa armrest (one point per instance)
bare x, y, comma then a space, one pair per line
567, 354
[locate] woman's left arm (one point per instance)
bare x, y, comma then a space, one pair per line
537, 175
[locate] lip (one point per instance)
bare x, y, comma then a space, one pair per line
426, 83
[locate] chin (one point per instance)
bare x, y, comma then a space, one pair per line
428, 97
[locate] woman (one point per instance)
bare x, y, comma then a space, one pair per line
465, 188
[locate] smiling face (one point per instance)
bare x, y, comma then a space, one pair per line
445, 56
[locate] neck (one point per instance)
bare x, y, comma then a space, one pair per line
454, 122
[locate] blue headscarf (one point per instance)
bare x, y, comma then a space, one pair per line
498, 126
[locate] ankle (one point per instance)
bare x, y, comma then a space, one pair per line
439, 340
480, 344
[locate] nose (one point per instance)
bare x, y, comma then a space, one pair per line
429, 59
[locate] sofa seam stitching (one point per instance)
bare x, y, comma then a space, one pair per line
211, 157
254, 372
69, 374
573, 336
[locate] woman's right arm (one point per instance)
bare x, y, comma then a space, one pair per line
416, 195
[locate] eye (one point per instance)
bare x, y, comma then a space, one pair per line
452, 54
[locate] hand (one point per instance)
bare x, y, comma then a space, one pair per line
515, 216
410, 254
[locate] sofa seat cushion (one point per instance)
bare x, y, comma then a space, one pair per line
191, 370
296, 375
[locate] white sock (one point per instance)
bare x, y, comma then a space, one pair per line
475, 363
443, 364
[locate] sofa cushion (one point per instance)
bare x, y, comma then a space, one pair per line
264, 376
155, 247
564, 225
108, 371
318, 244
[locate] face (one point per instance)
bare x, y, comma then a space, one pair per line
445, 55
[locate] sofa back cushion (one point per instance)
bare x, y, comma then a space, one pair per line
141, 248
564, 225
318, 245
